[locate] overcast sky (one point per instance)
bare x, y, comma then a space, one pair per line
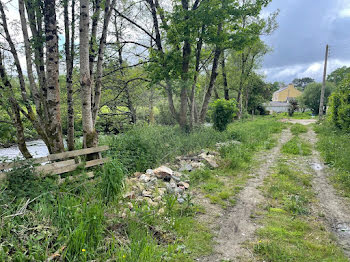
305, 27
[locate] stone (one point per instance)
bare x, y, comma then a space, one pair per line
186, 167
157, 199
184, 184
210, 159
162, 191
145, 178
179, 190
161, 211
162, 172
170, 189
150, 202
181, 200
146, 193
137, 174
196, 165
176, 178
130, 195
150, 172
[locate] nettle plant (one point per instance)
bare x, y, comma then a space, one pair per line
222, 113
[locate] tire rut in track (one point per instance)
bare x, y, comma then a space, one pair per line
236, 225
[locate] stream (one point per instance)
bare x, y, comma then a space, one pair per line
37, 148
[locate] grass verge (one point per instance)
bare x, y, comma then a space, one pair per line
335, 149
290, 231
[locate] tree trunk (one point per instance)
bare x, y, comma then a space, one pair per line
28, 54
224, 76
21, 141
97, 98
196, 73
212, 80
52, 67
69, 50
14, 111
90, 138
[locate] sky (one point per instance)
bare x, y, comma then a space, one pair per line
305, 27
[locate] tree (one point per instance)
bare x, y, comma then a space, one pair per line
301, 83
338, 75
312, 93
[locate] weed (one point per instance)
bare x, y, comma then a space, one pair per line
334, 147
297, 129
296, 146
112, 181
289, 234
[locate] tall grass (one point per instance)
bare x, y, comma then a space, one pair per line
82, 219
334, 146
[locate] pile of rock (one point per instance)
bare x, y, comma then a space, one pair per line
153, 185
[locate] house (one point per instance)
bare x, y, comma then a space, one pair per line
285, 93
281, 98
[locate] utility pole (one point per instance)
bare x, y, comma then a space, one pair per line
323, 84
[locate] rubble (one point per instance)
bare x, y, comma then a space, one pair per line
152, 185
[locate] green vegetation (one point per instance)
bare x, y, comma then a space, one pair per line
89, 219
296, 115
340, 105
334, 147
297, 146
312, 93
290, 231
297, 129
222, 113
223, 184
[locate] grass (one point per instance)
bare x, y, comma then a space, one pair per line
297, 129
334, 147
297, 146
222, 185
84, 220
290, 231
296, 115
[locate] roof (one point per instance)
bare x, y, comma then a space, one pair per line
280, 90
277, 104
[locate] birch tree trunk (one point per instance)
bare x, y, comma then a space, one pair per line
89, 133
52, 67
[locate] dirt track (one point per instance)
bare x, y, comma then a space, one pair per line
236, 225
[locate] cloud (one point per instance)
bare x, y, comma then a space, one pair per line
313, 70
305, 27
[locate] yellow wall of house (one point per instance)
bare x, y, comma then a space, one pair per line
290, 92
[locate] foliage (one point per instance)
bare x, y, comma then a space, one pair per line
24, 182
311, 96
338, 75
296, 146
340, 105
297, 129
293, 106
222, 113
290, 232
301, 83
112, 177
334, 146
146, 146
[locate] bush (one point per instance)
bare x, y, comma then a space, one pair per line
311, 96
145, 146
222, 112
